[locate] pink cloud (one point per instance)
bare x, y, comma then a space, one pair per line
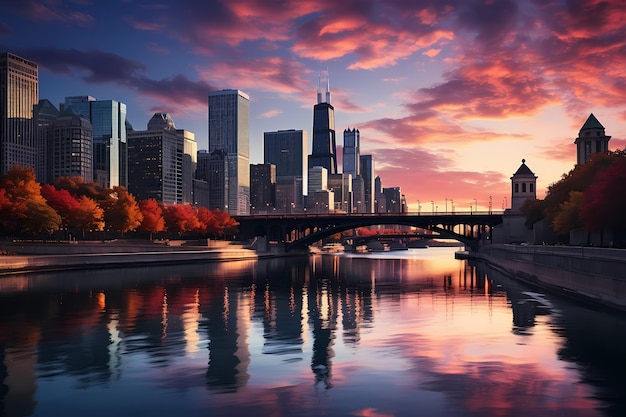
271, 113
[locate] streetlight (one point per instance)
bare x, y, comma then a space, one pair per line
419, 207
490, 203
475, 205
432, 206
452, 202
446, 212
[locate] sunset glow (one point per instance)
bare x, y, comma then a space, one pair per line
449, 96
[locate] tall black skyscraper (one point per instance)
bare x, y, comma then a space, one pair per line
324, 149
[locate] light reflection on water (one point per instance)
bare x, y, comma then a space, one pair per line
394, 334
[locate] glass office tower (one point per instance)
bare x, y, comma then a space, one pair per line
287, 149
19, 94
108, 121
229, 132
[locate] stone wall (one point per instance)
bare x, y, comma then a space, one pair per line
596, 274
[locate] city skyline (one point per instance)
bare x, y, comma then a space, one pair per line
448, 96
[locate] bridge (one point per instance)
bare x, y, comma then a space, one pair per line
298, 231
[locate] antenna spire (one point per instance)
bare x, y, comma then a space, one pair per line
323, 77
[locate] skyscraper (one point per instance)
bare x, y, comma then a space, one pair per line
155, 161
19, 94
324, 149
262, 188
287, 149
45, 115
352, 152
368, 173
108, 120
229, 133
71, 147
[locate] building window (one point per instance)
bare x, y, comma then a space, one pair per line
531, 186
516, 188
523, 187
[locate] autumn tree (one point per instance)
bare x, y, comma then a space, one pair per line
88, 216
61, 201
40, 218
604, 204
568, 217
121, 211
226, 225
207, 220
153, 221
180, 218
22, 199
77, 187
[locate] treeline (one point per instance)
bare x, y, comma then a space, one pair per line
29, 208
590, 198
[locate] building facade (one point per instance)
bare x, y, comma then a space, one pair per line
155, 165
19, 94
110, 153
368, 173
287, 149
591, 139
262, 188
324, 151
71, 147
229, 133
45, 115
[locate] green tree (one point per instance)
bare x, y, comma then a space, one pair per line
568, 217
40, 218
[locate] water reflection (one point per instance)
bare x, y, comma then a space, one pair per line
332, 335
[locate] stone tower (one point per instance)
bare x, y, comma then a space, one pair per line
591, 139
523, 186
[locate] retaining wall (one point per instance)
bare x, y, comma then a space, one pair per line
596, 274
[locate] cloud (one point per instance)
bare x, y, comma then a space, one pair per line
432, 175
99, 67
50, 10
276, 74
271, 113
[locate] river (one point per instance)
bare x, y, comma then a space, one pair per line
406, 333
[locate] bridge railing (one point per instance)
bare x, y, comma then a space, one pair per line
344, 214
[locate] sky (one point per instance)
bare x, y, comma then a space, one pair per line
448, 95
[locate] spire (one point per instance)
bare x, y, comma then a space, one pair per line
592, 123
323, 77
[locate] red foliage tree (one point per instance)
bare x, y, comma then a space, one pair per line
226, 225
61, 201
180, 218
604, 202
207, 220
153, 221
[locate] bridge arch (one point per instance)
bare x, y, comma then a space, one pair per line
299, 231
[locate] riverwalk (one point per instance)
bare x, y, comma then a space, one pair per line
32, 256
596, 275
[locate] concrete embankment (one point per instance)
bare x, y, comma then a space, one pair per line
593, 274
32, 256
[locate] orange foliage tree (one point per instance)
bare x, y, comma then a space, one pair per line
153, 221
121, 211
88, 216
23, 205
